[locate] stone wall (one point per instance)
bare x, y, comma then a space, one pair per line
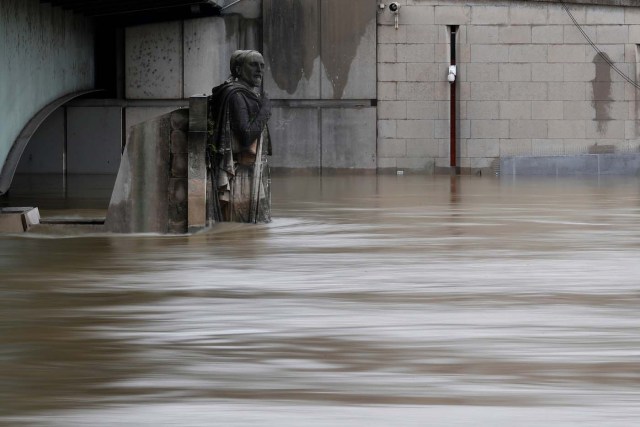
528, 83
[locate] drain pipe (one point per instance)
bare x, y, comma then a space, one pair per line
453, 154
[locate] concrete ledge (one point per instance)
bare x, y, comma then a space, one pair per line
18, 220
579, 165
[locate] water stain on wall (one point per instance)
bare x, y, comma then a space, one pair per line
296, 32
230, 27
291, 38
601, 86
343, 26
242, 32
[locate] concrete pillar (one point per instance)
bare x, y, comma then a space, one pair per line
197, 168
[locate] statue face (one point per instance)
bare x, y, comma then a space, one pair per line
252, 70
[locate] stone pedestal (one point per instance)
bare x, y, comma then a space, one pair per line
150, 194
197, 181
162, 181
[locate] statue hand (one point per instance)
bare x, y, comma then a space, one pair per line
253, 148
266, 103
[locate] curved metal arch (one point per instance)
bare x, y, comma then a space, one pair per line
16, 150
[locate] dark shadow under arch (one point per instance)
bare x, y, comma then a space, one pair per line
18, 146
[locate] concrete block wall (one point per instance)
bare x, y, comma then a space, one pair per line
528, 83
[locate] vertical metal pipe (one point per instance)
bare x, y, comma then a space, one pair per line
453, 162
65, 150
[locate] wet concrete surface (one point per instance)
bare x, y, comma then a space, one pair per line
369, 300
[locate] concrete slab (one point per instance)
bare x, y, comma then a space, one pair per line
18, 219
208, 45
295, 137
349, 138
153, 61
94, 140
31, 217
11, 223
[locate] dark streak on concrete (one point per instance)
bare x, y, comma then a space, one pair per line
343, 26
230, 27
290, 33
601, 86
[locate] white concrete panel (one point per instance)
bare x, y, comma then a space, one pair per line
295, 137
153, 61
208, 45
349, 138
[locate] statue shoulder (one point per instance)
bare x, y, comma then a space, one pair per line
221, 89
229, 89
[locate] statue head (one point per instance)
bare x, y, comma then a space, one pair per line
233, 62
248, 67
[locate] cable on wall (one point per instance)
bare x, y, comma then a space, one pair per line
593, 45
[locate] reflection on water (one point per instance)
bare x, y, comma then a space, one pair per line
370, 301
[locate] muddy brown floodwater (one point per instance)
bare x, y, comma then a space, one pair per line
369, 301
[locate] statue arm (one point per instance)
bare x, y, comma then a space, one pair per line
246, 125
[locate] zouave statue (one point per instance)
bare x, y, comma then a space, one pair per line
239, 144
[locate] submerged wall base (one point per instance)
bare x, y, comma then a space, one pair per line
578, 165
